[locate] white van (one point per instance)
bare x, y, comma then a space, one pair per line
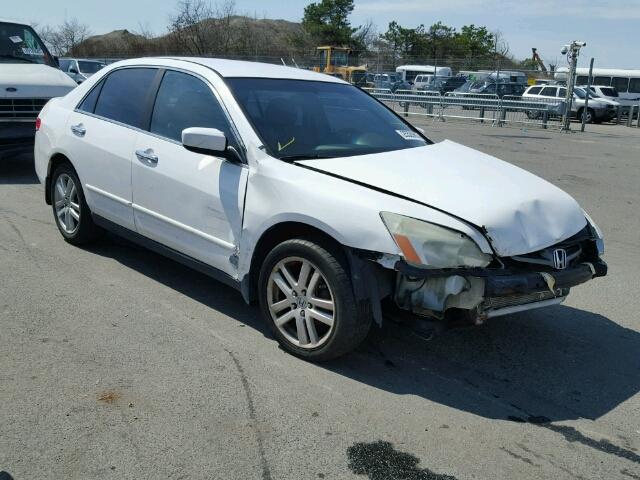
626, 82
408, 73
29, 77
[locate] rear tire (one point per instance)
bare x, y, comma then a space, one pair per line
70, 210
307, 299
590, 115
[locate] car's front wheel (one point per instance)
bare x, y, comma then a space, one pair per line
70, 210
307, 299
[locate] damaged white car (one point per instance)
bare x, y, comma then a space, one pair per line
307, 195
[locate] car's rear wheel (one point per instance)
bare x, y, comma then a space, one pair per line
589, 117
307, 299
70, 210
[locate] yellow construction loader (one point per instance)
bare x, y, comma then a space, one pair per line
335, 61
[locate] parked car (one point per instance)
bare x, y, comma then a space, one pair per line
385, 80
421, 81
80, 70
598, 111
445, 85
308, 195
500, 89
29, 77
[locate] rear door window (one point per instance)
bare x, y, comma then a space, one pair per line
89, 103
184, 101
549, 91
124, 96
634, 85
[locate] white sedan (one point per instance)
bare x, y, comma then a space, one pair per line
308, 195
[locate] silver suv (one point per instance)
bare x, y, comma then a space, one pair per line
599, 110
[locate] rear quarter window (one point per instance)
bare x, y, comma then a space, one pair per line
534, 91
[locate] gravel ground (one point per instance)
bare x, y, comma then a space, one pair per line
118, 363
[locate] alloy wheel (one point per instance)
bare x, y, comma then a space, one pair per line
66, 204
301, 302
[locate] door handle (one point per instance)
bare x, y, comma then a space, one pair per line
78, 130
147, 156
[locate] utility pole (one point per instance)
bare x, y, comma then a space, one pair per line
586, 100
571, 51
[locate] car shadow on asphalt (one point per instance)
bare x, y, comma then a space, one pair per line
180, 278
553, 364
558, 363
17, 170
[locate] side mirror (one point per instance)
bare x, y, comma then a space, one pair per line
209, 141
73, 70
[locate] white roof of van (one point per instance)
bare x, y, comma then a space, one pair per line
17, 22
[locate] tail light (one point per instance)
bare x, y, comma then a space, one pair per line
38, 123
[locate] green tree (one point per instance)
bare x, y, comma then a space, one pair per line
440, 40
404, 42
475, 42
327, 21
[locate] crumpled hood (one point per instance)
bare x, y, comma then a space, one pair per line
33, 81
521, 212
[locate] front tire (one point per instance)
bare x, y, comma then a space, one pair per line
70, 210
307, 299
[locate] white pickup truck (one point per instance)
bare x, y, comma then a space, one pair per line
29, 78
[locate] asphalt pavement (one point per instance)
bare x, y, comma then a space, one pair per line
117, 363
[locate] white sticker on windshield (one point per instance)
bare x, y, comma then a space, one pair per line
34, 52
15, 39
408, 135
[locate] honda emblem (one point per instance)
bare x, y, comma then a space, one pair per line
560, 258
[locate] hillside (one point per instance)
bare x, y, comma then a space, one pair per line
234, 36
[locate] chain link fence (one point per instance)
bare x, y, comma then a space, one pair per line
475, 107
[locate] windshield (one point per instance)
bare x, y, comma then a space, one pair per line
20, 44
89, 67
581, 93
299, 119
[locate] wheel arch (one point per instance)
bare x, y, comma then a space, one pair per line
56, 160
275, 235
370, 281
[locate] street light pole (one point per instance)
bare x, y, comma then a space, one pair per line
572, 51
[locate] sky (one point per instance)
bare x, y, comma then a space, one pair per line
610, 28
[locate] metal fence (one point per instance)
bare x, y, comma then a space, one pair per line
482, 108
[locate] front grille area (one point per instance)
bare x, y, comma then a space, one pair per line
523, 299
579, 248
21, 108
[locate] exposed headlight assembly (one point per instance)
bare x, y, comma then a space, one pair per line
433, 246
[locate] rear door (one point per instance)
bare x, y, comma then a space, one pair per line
102, 132
190, 202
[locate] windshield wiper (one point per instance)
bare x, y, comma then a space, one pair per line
15, 57
313, 156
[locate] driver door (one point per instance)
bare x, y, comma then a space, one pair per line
190, 202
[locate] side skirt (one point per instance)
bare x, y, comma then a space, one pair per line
156, 247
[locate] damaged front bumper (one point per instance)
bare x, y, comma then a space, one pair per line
487, 292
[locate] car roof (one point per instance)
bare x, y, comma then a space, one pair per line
240, 68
